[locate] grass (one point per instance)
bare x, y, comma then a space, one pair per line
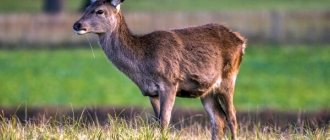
139, 129
283, 78
287, 77
182, 5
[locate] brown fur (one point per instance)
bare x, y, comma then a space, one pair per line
193, 62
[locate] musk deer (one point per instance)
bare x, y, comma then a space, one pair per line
196, 62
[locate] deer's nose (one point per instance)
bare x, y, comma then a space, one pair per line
77, 26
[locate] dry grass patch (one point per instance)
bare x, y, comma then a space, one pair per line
140, 129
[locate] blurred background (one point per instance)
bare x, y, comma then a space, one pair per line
44, 64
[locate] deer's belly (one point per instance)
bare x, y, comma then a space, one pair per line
197, 88
193, 91
189, 94
149, 89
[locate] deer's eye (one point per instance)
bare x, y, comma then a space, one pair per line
99, 12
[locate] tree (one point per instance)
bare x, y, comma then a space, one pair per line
85, 4
53, 6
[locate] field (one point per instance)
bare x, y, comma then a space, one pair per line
292, 77
141, 129
74, 92
186, 5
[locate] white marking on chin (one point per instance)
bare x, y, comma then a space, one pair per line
118, 7
80, 32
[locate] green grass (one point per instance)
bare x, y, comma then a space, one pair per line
139, 129
284, 78
218, 5
291, 77
181, 5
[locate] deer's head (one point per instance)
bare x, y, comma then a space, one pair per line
100, 17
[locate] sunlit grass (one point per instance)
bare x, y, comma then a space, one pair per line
140, 129
115, 129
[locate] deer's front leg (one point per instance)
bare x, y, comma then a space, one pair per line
155, 105
167, 99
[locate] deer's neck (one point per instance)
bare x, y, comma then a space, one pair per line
121, 47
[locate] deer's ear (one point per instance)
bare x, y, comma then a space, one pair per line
116, 2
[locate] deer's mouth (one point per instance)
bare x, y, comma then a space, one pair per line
81, 31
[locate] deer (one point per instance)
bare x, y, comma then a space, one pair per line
194, 62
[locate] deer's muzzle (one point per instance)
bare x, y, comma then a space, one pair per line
78, 28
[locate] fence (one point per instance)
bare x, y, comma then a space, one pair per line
264, 27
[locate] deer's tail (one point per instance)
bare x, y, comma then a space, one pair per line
242, 40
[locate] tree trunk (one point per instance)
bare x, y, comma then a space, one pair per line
53, 6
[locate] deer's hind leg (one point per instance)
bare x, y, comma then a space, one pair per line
225, 95
216, 115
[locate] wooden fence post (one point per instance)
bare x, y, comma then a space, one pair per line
276, 27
